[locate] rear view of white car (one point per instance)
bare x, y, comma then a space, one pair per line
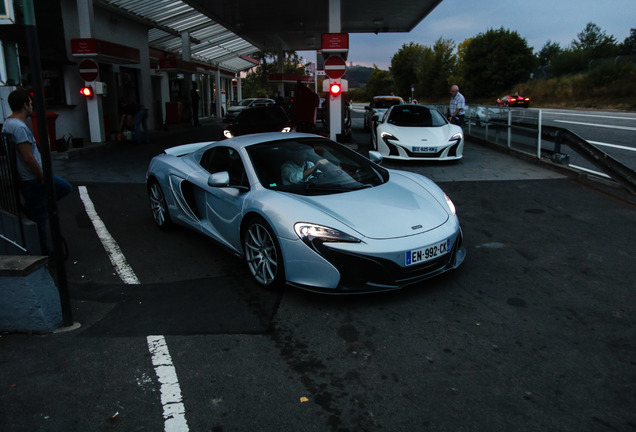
416, 132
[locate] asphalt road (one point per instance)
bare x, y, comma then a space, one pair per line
612, 132
534, 332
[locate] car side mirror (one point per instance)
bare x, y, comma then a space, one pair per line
375, 118
375, 156
219, 179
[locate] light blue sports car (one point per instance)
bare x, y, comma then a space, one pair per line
309, 212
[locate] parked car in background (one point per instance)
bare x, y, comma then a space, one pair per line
417, 132
244, 104
378, 106
514, 101
260, 119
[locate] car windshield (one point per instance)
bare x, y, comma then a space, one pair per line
386, 103
313, 166
416, 116
245, 102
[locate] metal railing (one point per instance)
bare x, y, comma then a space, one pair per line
12, 236
522, 130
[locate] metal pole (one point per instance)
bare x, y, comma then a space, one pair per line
509, 127
40, 115
539, 135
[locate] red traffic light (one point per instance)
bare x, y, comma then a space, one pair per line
87, 92
335, 89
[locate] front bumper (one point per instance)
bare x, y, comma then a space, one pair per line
358, 273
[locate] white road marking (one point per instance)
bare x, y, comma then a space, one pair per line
597, 125
612, 145
115, 255
173, 408
580, 168
590, 115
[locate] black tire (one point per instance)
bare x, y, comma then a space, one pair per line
158, 205
263, 254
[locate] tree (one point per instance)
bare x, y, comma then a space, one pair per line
495, 61
595, 42
436, 68
404, 67
256, 82
629, 44
380, 83
458, 76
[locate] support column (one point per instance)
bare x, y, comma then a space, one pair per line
86, 21
239, 88
281, 68
335, 103
217, 85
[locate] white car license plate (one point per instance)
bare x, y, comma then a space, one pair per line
424, 149
427, 253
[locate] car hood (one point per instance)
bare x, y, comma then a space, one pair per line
420, 136
236, 108
398, 208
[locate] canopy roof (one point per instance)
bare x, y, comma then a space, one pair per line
224, 32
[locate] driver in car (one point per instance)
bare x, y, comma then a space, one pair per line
299, 169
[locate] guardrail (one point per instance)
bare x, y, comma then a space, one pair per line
522, 130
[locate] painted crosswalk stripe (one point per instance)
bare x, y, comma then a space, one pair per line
173, 408
115, 254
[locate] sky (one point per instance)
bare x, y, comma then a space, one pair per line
537, 21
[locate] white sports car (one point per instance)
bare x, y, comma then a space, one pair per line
416, 132
309, 212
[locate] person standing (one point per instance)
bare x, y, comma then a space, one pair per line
194, 100
29, 164
457, 106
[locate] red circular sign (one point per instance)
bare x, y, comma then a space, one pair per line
335, 67
88, 70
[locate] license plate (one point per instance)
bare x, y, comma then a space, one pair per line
424, 149
427, 253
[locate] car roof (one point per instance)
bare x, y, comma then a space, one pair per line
387, 97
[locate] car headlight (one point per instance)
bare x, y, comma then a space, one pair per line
286, 129
457, 137
386, 137
451, 206
311, 233
227, 134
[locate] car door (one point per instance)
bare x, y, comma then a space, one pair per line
224, 204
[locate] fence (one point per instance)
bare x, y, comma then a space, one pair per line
522, 130
12, 233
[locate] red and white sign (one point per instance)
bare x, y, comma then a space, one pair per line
335, 42
88, 70
335, 67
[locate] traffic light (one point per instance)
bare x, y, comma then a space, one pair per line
87, 92
335, 89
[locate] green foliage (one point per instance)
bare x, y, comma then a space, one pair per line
595, 42
629, 44
255, 83
380, 83
403, 67
496, 60
358, 76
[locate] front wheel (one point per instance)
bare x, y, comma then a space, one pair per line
158, 205
262, 254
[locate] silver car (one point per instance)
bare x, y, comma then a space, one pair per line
235, 110
309, 212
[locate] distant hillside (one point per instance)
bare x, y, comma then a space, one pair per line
358, 76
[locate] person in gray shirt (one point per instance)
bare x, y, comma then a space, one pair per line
29, 164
